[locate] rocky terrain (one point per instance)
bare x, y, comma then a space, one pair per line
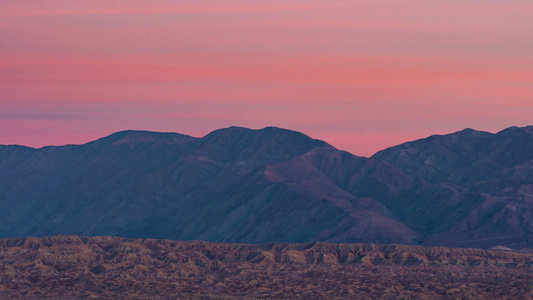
72, 267
467, 189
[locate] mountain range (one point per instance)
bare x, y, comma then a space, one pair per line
237, 185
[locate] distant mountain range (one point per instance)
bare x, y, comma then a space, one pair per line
465, 189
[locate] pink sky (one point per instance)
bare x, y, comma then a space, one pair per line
361, 75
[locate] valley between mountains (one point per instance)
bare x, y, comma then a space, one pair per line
237, 185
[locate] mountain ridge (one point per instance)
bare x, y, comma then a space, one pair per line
243, 185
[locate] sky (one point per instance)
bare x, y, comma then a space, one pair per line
361, 75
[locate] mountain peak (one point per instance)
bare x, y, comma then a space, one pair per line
135, 137
228, 132
267, 134
466, 135
517, 130
232, 130
470, 131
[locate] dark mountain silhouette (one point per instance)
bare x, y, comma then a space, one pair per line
273, 185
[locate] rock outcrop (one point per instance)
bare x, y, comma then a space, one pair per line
120, 268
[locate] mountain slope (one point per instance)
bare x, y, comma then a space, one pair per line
490, 179
273, 185
228, 186
466, 157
